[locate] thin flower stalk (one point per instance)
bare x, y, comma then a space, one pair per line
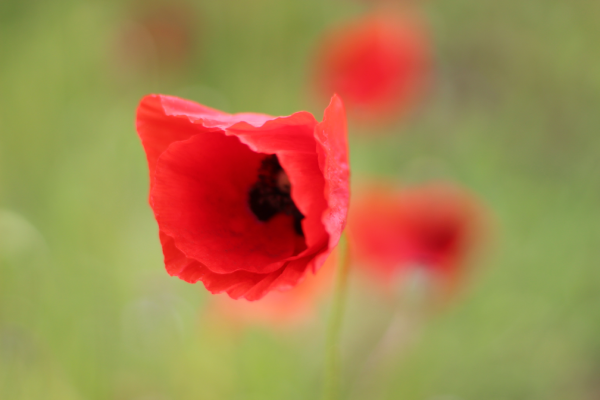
331, 386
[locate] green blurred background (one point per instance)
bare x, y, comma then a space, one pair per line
86, 309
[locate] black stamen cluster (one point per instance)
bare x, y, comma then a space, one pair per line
271, 194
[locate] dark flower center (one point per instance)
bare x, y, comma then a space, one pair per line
270, 195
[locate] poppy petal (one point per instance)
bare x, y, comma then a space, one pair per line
197, 186
331, 134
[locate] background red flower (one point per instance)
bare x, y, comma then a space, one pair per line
245, 203
379, 64
435, 226
278, 310
156, 36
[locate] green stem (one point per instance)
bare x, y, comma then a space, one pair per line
331, 384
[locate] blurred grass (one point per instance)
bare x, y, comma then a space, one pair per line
86, 310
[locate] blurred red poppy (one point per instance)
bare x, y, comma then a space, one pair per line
158, 34
435, 227
379, 64
279, 310
172, 26
245, 203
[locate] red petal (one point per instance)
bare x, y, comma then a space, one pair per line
158, 128
199, 198
331, 134
237, 284
163, 120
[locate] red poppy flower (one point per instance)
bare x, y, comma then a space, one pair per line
378, 64
435, 227
245, 203
159, 35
